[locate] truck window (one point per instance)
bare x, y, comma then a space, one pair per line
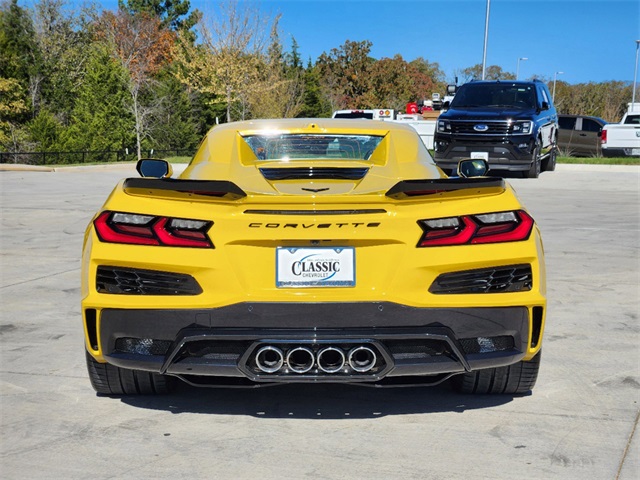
589, 125
632, 120
567, 123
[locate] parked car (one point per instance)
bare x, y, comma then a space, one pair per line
312, 250
579, 135
511, 124
623, 139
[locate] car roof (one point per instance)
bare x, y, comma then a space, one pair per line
567, 115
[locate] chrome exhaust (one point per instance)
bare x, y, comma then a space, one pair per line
330, 360
269, 359
362, 359
300, 360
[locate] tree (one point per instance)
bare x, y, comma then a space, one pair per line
142, 46
492, 72
100, 120
280, 93
63, 39
173, 14
227, 64
12, 109
345, 74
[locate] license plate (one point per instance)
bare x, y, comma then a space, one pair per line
482, 155
315, 267
635, 152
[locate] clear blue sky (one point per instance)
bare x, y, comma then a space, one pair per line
588, 40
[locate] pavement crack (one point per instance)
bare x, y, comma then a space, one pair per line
39, 278
628, 446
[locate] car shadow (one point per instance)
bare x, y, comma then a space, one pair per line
316, 401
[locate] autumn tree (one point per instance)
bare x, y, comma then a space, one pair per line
12, 108
142, 46
345, 74
228, 62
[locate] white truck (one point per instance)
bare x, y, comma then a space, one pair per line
425, 127
623, 139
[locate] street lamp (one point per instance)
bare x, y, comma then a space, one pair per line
635, 76
486, 36
518, 68
555, 77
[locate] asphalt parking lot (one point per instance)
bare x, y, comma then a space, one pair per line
579, 423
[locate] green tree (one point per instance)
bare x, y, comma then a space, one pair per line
492, 72
100, 120
315, 104
12, 110
173, 14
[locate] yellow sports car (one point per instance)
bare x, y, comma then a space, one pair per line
312, 250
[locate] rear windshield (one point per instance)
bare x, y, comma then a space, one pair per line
496, 95
306, 147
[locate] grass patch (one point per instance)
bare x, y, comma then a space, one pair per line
178, 159
600, 160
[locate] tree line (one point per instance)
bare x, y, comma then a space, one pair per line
157, 74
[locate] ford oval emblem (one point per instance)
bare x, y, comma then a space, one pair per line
481, 128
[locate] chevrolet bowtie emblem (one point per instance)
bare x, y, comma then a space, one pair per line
315, 190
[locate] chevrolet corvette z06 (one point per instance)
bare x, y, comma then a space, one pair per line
312, 250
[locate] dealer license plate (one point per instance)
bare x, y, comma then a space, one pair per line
315, 267
482, 155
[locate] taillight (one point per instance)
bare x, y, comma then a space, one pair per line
603, 136
496, 227
134, 229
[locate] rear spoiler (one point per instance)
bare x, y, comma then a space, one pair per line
210, 188
415, 188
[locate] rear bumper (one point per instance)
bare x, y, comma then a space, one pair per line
406, 341
620, 152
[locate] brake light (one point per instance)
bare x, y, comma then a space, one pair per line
497, 227
134, 229
603, 136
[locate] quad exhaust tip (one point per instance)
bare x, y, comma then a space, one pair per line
300, 360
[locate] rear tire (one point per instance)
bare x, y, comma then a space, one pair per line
510, 380
108, 379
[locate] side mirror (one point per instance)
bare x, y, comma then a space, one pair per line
446, 105
473, 167
154, 168
545, 106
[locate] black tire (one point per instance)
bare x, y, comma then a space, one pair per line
510, 380
549, 164
534, 169
108, 379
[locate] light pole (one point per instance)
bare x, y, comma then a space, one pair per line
555, 77
486, 36
635, 76
518, 68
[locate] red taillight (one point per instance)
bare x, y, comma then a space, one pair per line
475, 229
603, 136
134, 229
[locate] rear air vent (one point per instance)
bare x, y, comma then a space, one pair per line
316, 173
512, 278
133, 281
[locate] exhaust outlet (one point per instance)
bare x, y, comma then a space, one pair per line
300, 360
269, 359
362, 359
330, 360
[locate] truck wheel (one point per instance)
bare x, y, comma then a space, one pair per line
512, 379
111, 380
534, 170
549, 164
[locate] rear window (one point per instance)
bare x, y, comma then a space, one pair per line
306, 147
